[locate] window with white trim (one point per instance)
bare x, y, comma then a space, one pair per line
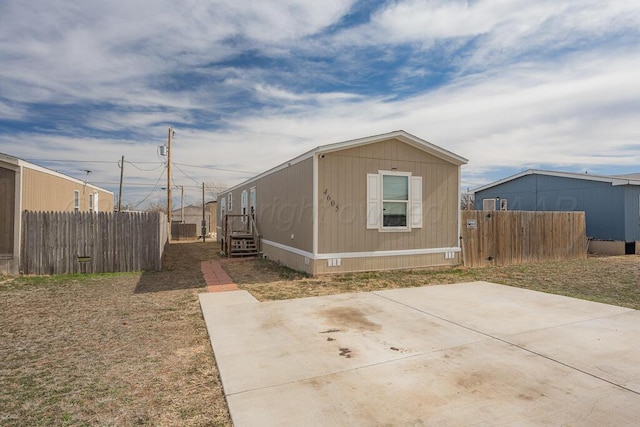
230, 201
223, 208
489, 204
394, 201
76, 201
91, 202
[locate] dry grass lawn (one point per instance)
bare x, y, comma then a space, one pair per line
111, 349
132, 349
612, 280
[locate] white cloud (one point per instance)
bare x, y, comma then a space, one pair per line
580, 111
70, 51
503, 28
517, 98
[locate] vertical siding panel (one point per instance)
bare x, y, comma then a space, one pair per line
44, 191
440, 207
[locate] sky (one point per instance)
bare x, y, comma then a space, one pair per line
248, 84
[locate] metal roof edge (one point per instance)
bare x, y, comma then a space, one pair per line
587, 177
401, 135
23, 163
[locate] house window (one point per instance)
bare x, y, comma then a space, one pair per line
503, 204
91, 202
76, 201
488, 204
394, 201
223, 208
230, 203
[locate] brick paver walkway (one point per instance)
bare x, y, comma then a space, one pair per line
216, 278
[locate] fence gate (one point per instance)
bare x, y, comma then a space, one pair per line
520, 237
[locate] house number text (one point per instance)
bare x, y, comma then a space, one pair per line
330, 200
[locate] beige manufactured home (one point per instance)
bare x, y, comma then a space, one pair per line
383, 202
25, 186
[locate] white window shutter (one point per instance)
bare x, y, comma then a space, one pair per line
373, 201
416, 202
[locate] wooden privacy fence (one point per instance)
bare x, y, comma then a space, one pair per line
184, 231
519, 237
69, 242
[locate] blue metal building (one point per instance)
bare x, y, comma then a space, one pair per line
611, 203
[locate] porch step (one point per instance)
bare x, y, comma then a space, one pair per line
243, 246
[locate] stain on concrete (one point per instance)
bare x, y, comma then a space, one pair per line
344, 351
471, 381
350, 317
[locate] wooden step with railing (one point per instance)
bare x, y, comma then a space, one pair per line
243, 245
241, 237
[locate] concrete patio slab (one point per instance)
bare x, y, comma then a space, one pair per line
608, 348
486, 383
499, 310
225, 299
475, 353
297, 339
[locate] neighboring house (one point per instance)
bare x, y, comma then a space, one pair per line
611, 203
193, 215
25, 186
377, 203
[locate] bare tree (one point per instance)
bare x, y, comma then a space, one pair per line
212, 189
157, 207
467, 201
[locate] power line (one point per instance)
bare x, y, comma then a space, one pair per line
215, 168
183, 173
71, 161
140, 162
128, 184
152, 190
145, 170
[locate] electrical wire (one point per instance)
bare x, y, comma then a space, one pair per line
215, 168
152, 190
183, 173
70, 161
145, 170
162, 163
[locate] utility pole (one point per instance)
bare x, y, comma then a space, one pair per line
182, 203
169, 179
204, 222
121, 176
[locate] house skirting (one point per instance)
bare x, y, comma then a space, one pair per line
613, 247
359, 261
